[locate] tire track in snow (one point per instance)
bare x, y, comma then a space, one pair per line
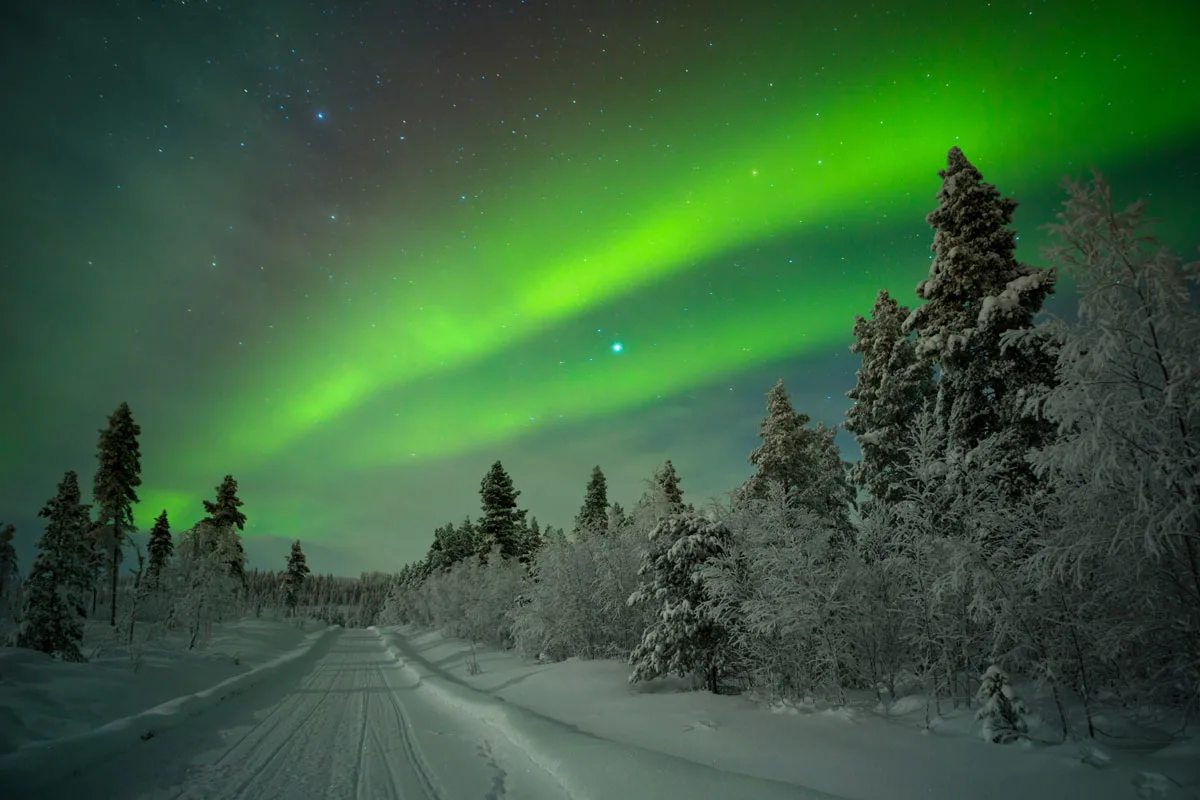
364, 712
212, 775
412, 750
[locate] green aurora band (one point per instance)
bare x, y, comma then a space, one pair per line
617, 215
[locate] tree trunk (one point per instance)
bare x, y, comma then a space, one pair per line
116, 553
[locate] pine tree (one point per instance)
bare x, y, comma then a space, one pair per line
452, 545
118, 474
684, 639
666, 484
502, 521
225, 514
617, 519
1002, 712
804, 461
532, 541
975, 293
160, 548
593, 516
892, 386
10, 576
59, 576
293, 579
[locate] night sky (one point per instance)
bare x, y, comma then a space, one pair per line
354, 253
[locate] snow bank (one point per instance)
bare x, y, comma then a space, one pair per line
587, 767
78, 750
580, 706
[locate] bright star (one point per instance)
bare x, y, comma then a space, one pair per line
617, 347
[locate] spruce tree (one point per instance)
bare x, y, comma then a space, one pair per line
10, 576
684, 638
666, 487
160, 548
502, 521
225, 515
804, 461
618, 520
975, 293
118, 474
593, 516
60, 574
293, 579
893, 384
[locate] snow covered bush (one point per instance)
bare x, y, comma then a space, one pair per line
1002, 712
784, 595
203, 585
576, 603
471, 600
685, 637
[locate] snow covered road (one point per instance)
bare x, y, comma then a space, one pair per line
341, 725
357, 718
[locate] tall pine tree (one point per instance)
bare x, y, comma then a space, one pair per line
502, 522
975, 293
225, 515
893, 384
60, 574
593, 516
118, 474
160, 548
293, 578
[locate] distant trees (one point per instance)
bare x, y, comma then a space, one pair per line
118, 474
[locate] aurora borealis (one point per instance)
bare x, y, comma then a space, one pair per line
354, 253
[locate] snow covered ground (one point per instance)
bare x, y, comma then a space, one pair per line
856, 752
43, 699
403, 713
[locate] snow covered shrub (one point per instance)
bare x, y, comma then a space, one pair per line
1003, 713
685, 638
783, 594
576, 603
204, 585
472, 600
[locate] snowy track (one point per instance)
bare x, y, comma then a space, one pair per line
342, 733
335, 727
